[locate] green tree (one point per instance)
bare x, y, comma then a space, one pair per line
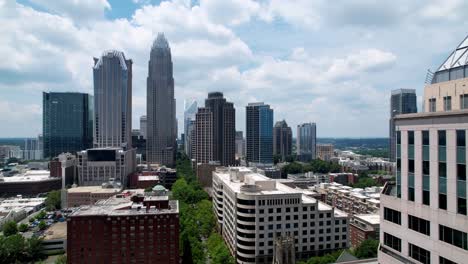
367, 249
10, 228
292, 168
41, 215
217, 250
42, 225
276, 159
34, 248
53, 200
328, 258
290, 158
23, 227
14, 246
62, 259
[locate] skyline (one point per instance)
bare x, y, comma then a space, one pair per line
360, 56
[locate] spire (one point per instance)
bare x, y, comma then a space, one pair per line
160, 42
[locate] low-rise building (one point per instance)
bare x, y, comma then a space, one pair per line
28, 183
363, 227
344, 178
89, 195
351, 200
270, 172
325, 151
17, 208
308, 179
125, 229
253, 210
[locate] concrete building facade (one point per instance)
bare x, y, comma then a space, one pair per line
101, 165
253, 210
427, 203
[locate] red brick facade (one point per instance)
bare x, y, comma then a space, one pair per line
136, 238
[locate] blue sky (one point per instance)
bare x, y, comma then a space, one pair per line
311, 61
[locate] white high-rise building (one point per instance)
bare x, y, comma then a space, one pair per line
112, 100
424, 213
253, 210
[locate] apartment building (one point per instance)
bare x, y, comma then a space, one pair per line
253, 210
351, 200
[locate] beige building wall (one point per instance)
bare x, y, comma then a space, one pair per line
438, 91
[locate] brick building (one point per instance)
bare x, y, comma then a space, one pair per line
125, 229
363, 227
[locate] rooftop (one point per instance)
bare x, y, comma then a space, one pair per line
93, 189
28, 176
244, 180
122, 205
112, 53
373, 219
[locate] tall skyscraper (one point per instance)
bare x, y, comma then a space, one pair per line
203, 136
143, 126
189, 115
224, 128
67, 123
112, 100
424, 213
403, 101
161, 132
221, 118
259, 127
282, 139
307, 141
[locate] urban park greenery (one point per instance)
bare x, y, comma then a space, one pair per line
198, 238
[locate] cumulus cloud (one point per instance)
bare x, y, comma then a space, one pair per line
79, 10
331, 65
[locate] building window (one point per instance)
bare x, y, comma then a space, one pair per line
442, 138
443, 185
392, 241
392, 216
447, 103
419, 254
419, 225
443, 260
453, 237
432, 105
463, 101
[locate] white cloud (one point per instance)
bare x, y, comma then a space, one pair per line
232, 12
79, 10
297, 59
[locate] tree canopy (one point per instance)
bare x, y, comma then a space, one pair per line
53, 200
10, 228
367, 249
197, 220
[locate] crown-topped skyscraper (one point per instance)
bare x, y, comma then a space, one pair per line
161, 119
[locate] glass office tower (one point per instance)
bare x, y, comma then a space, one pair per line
259, 124
67, 123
